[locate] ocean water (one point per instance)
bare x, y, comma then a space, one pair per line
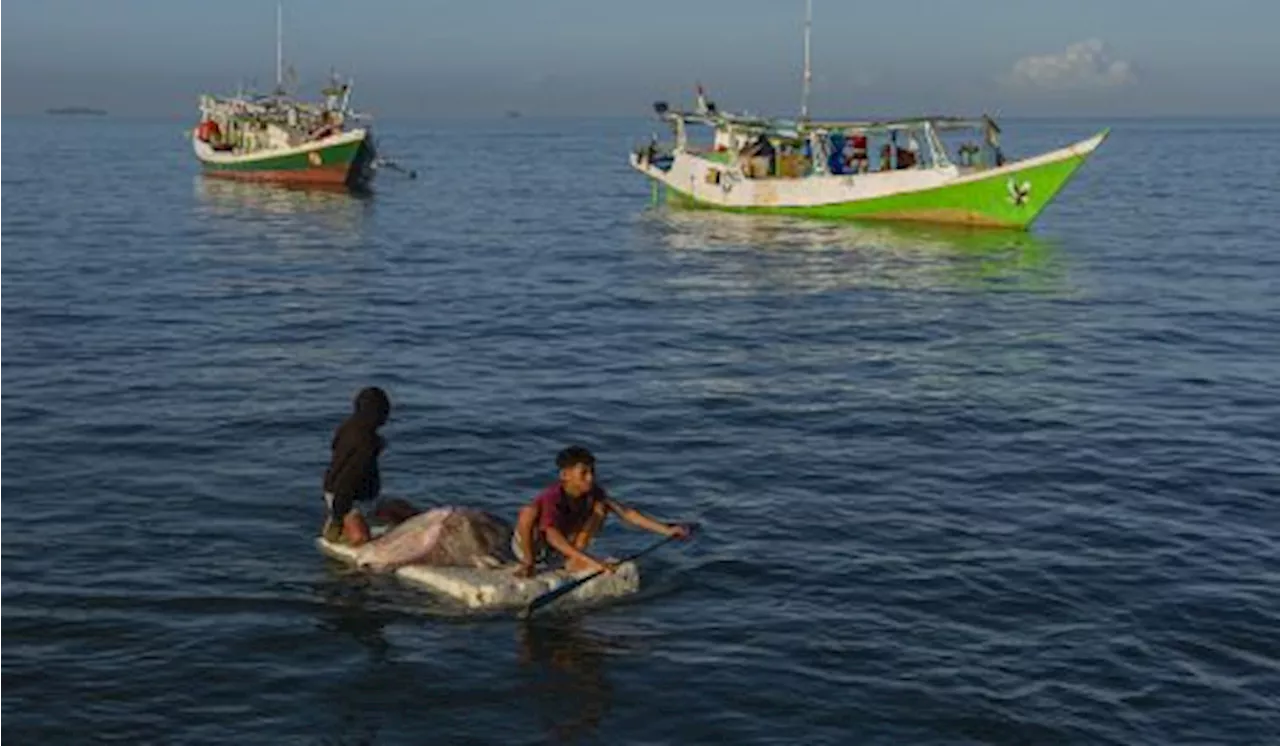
955, 487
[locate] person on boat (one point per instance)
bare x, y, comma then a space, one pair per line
991, 134
352, 476
761, 156
857, 161
837, 154
909, 155
886, 156
330, 124
567, 515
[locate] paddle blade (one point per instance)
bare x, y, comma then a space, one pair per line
570, 586
551, 595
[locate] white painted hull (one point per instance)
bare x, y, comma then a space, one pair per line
696, 177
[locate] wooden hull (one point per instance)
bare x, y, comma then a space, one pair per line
345, 160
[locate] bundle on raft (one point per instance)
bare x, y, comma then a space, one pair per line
464, 554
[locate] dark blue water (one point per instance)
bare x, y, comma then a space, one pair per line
956, 487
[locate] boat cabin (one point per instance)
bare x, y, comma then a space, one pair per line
782, 149
249, 124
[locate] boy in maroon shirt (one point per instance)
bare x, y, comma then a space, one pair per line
567, 515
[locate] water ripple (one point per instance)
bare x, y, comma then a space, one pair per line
954, 487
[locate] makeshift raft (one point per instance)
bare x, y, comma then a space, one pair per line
499, 588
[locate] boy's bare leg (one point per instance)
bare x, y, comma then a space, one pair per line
583, 538
355, 531
524, 532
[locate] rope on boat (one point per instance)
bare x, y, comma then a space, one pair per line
394, 166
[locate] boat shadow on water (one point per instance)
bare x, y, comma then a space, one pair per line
753, 253
279, 198
285, 212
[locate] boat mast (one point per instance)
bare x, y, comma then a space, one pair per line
808, 70
279, 46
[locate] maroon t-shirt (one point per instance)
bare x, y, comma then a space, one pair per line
568, 514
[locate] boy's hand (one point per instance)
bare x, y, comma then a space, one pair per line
679, 531
608, 567
525, 571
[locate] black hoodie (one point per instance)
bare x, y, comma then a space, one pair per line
353, 472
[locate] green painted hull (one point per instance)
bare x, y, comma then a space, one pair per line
347, 163
1010, 197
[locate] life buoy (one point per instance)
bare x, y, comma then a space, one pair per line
208, 131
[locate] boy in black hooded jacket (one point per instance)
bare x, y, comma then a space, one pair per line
352, 475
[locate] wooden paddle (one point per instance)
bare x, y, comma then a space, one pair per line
572, 585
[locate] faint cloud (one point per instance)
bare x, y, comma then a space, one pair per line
1084, 65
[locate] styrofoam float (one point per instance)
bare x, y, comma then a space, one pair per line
499, 588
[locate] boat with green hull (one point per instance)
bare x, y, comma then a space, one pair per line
251, 146
279, 138
784, 176
929, 169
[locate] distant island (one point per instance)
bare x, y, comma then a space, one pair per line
513, 114
76, 110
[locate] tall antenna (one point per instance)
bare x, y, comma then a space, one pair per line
808, 70
279, 45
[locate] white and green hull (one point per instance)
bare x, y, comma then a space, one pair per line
1011, 196
342, 160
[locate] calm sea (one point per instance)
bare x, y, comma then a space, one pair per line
956, 487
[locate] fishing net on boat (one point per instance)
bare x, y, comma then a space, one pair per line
447, 537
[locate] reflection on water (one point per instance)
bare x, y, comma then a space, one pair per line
751, 253
952, 318
290, 216
567, 666
345, 609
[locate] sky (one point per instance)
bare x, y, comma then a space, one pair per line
430, 58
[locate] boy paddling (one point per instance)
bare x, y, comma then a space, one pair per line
567, 515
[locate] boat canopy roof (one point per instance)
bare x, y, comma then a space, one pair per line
272, 107
281, 104
800, 127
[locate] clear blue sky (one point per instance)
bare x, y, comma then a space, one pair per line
613, 57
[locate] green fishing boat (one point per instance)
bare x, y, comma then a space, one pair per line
278, 138
931, 168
